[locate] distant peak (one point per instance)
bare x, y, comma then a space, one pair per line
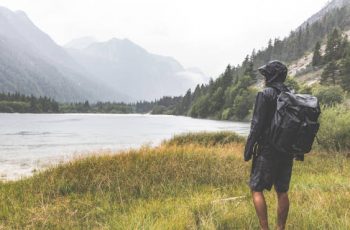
4, 10
81, 43
122, 42
127, 40
18, 15
21, 13
113, 40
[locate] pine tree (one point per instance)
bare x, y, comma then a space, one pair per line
306, 39
333, 48
345, 73
249, 71
253, 55
217, 100
299, 44
186, 102
268, 51
344, 46
277, 49
329, 74
317, 58
227, 77
197, 92
245, 62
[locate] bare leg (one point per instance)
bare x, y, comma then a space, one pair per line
261, 209
282, 210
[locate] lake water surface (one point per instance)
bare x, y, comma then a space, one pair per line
35, 141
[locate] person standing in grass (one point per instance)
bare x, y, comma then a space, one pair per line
269, 167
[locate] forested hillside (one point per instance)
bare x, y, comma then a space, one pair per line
231, 96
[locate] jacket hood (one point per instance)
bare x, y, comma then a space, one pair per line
274, 71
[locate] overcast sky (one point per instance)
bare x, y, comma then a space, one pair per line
208, 34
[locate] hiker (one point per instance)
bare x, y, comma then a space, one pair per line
269, 167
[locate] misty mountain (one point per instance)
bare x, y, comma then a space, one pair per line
80, 43
33, 64
132, 70
329, 7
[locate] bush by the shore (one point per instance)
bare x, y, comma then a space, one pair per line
205, 138
334, 133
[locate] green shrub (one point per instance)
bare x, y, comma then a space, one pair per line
200, 107
334, 133
243, 103
226, 114
206, 138
305, 89
292, 83
14, 106
159, 109
329, 95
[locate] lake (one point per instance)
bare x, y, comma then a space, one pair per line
35, 141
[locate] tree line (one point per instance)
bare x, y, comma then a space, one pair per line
19, 103
16, 102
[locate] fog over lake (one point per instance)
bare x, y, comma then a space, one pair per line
35, 141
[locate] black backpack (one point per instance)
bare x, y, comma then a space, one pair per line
295, 123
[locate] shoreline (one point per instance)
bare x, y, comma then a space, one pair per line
130, 114
31, 142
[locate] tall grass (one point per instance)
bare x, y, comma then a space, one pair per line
205, 138
177, 185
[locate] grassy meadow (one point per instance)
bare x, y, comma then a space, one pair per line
193, 181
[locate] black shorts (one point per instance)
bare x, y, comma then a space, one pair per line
269, 168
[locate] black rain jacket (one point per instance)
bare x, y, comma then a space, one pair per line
264, 109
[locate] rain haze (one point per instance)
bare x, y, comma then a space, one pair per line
204, 34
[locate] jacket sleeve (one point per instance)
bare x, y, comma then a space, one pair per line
257, 124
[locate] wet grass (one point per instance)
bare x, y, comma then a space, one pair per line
180, 184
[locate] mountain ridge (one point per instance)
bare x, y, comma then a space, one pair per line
32, 63
328, 7
123, 61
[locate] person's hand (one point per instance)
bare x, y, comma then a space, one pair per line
298, 157
249, 150
248, 153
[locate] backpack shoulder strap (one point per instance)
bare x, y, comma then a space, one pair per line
270, 91
280, 88
276, 89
